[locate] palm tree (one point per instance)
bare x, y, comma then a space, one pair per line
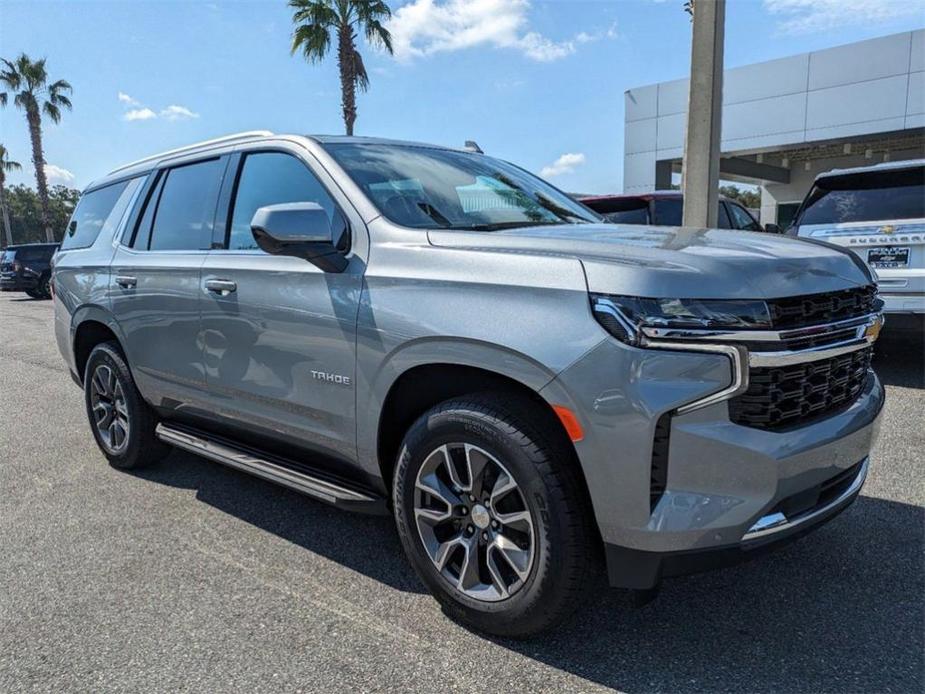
317, 20
6, 165
27, 81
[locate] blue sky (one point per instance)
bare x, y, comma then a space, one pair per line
531, 81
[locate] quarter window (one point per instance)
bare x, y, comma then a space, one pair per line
271, 178
185, 208
99, 210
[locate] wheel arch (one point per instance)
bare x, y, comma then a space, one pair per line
90, 326
423, 385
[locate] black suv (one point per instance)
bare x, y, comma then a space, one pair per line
27, 268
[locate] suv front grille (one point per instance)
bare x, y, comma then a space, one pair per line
814, 309
780, 397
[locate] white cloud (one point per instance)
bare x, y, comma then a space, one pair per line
139, 114
564, 164
425, 27
135, 110
57, 174
174, 112
807, 16
127, 100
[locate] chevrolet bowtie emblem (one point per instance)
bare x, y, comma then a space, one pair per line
872, 330
887, 229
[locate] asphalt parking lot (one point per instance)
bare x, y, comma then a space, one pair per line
190, 576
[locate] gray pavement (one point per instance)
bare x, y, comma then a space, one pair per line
193, 577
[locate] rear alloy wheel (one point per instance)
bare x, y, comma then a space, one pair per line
122, 422
110, 414
493, 514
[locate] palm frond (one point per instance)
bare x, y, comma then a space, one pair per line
313, 12
52, 111
7, 164
360, 78
10, 76
60, 86
378, 35
312, 40
314, 20
26, 101
59, 100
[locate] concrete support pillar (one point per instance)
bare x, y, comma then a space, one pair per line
700, 173
662, 175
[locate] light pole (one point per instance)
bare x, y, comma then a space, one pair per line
700, 170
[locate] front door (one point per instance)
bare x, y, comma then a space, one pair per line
279, 334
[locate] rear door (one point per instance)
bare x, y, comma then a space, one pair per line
279, 333
155, 282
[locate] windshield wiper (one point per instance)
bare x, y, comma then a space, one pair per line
560, 212
434, 214
498, 226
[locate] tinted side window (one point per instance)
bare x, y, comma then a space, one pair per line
271, 178
668, 212
742, 219
143, 229
640, 215
98, 210
186, 208
722, 219
27, 254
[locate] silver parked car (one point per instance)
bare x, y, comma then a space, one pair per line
879, 213
433, 333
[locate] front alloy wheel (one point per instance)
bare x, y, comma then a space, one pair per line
473, 521
492, 513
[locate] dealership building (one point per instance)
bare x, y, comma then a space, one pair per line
787, 120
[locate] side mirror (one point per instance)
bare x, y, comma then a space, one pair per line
773, 229
301, 230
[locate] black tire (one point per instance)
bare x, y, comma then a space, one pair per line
516, 431
140, 447
34, 294
44, 288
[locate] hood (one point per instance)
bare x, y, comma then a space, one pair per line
678, 262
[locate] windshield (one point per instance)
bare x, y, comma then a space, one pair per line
430, 188
866, 197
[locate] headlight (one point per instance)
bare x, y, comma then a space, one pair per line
623, 316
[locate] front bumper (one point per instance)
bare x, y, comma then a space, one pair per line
642, 570
722, 479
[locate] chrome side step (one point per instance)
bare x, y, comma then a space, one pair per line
240, 459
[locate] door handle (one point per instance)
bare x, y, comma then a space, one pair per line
126, 282
223, 287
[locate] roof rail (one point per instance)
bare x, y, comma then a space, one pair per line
225, 139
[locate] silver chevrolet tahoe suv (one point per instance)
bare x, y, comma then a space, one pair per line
433, 333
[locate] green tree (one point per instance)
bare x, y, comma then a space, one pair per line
6, 165
25, 210
27, 82
315, 22
748, 198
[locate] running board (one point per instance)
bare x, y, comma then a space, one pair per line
247, 461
